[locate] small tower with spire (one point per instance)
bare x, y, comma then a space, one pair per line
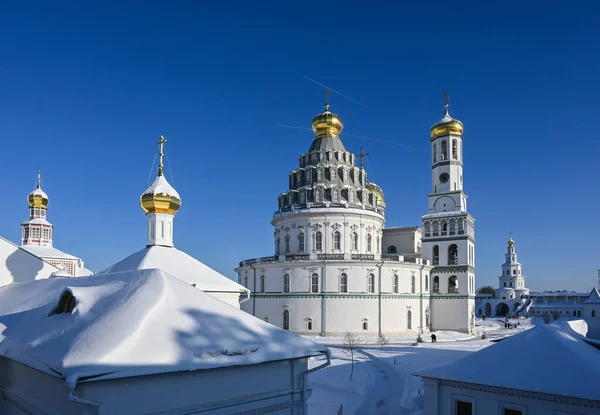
512, 280
160, 201
37, 230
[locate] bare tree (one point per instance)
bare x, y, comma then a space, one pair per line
382, 340
351, 344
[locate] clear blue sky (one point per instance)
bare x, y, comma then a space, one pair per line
86, 90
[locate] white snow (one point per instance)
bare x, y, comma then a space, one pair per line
132, 324
594, 297
39, 191
47, 252
37, 221
554, 356
161, 186
179, 264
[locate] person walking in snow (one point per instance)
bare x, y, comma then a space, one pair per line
433, 338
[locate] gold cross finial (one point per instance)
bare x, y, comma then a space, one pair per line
327, 100
39, 180
446, 101
161, 146
510, 234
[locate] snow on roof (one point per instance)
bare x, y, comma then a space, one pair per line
37, 221
161, 186
179, 264
552, 359
594, 297
47, 252
83, 272
444, 214
133, 324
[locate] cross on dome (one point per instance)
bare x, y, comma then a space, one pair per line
362, 156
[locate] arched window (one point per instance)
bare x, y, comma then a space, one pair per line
436, 255
444, 228
286, 320
365, 324
287, 243
318, 241
371, 283
436, 228
454, 149
369, 243
461, 226
408, 320
453, 255
392, 250
426, 282
301, 241
427, 228
262, 284
444, 155
354, 238
343, 283
453, 285
505, 283
452, 224
436, 284
309, 324
434, 152
593, 313
337, 240
395, 284
314, 283
286, 283
412, 284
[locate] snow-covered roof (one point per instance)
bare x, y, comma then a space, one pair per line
133, 324
552, 359
83, 272
47, 252
40, 192
444, 214
161, 186
594, 297
179, 264
37, 221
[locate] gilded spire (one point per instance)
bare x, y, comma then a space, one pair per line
447, 125
327, 124
39, 180
161, 146
327, 100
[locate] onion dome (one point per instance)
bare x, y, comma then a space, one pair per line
38, 198
511, 243
327, 124
160, 197
373, 188
447, 125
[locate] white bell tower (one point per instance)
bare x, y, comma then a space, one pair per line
448, 229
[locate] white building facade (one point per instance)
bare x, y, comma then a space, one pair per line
336, 268
449, 232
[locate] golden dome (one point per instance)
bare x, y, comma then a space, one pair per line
373, 188
511, 242
446, 126
327, 124
38, 198
160, 197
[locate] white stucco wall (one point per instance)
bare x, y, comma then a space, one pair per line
18, 265
441, 400
280, 389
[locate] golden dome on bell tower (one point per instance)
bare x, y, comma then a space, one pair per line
447, 125
160, 197
327, 124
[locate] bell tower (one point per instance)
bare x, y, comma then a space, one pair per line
448, 229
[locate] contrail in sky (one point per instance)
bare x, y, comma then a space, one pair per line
334, 91
357, 136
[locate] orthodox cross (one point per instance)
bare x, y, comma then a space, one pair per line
161, 146
39, 181
446, 101
327, 100
510, 234
362, 155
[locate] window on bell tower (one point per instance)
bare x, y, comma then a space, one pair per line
454, 149
434, 152
444, 155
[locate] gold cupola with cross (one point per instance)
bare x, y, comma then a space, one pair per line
327, 124
447, 125
38, 198
160, 197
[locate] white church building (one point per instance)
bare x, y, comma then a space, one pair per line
160, 201
336, 267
